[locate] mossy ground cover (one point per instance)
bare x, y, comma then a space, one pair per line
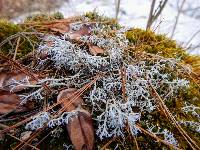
142, 45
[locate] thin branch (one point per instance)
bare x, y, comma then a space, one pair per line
149, 22
156, 138
167, 113
177, 18
156, 14
17, 46
117, 9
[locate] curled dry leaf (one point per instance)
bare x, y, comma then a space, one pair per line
7, 81
95, 50
85, 30
67, 94
8, 101
61, 27
80, 129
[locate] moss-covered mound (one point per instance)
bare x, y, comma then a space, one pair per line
141, 89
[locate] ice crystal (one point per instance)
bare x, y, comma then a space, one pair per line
67, 147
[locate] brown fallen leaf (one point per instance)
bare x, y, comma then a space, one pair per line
75, 35
61, 27
8, 101
67, 94
6, 81
95, 50
80, 129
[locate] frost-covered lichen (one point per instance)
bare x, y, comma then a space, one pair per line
168, 136
123, 92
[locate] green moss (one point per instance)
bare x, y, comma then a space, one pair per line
44, 17
147, 41
94, 16
150, 42
141, 40
8, 29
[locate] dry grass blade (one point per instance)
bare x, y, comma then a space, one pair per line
167, 113
108, 143
33, 147
15, 125
156, 138
136, 143
25, 142
24, 70
123, 76
22, 145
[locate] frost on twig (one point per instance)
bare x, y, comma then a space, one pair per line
37, 89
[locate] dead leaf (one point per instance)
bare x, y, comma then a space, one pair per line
8, 101
80, 129
7, 81
61, 27
67, 94
85, 30
95, 50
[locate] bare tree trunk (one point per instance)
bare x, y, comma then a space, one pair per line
177, 17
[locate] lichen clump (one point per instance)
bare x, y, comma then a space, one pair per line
128, 94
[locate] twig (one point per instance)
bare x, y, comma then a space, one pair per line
192, 37
17, 46
123, 76
5, 126
149, 22
155, 15
156, 138
24, 70
24, 142
117, 9
108, 143
177, 18
167, 113
136, 143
